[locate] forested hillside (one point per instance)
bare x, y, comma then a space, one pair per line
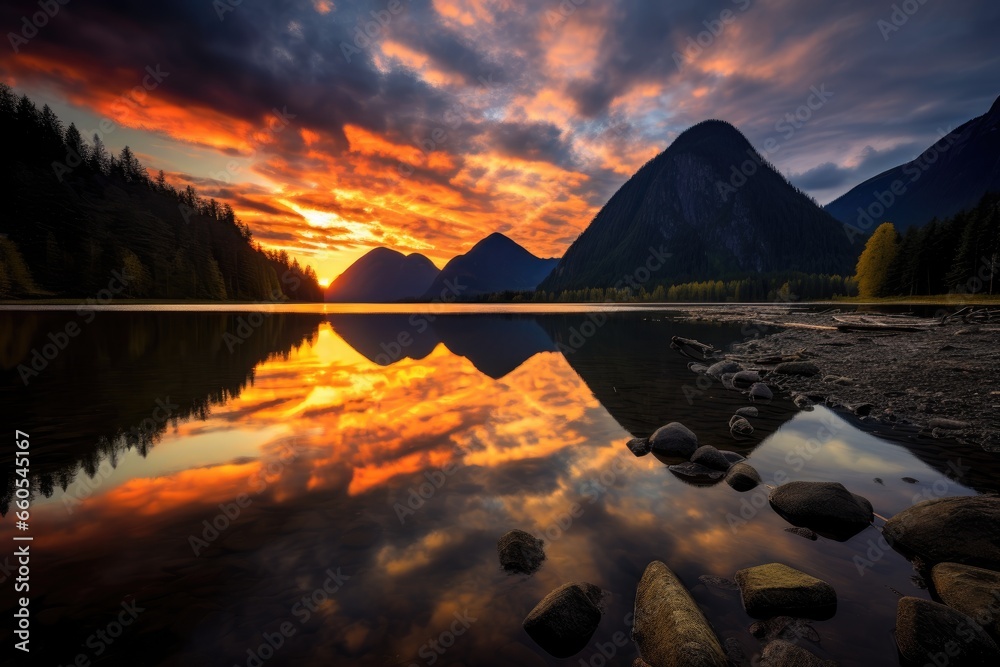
79, 222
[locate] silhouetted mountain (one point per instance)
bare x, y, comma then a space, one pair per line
495, 344
495, 264
383, 276
693, 203
951, 176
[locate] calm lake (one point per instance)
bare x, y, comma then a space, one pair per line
299, 486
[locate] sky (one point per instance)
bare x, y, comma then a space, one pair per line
336, 126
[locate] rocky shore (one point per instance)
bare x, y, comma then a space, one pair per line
936, 376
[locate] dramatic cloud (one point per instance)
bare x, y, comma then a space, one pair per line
333, 127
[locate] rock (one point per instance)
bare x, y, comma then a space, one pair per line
802, 401
743, 477
786, 628
797, 368
748, 412
775, 589
745, 379
668, 626
971, 590
862, 409
733, 457
963, 530
925, 629
695, 367
761, 392
674, 439
947, 424
720, 368
710, 457
739, 427
803, 532
727, 381
639, 446
837, 379
825, 507
910, 480
520, 552
695, 472
786, 654
565, 620
734, 651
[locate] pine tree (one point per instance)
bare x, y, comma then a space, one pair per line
873, 267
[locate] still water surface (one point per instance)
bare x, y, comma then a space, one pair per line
317, 433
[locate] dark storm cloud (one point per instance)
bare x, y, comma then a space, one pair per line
532, 141
871, 161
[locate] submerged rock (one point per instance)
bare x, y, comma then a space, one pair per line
947, 424
748, 412
718, 582
674, 439
639, 446
669, 628
826, 507
971, 590
806, 368
963, 530
695, 367
780, 653
520, 552
761, 392
720, 368
710, 457
733, 457
745, 379
695, 472
743, 477
786, 628
565, 620
775, 590
925, 629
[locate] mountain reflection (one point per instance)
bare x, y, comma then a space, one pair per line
400, 474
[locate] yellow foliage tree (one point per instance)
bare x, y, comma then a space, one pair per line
873, 266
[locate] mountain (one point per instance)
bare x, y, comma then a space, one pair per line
495, 264
693, 203
950, 176
383, 276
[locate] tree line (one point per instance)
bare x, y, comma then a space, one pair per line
958, 255
78, 218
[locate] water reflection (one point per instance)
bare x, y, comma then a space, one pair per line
355, 500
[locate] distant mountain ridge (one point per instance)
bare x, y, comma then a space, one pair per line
709, 207
383, 276
495, 264
951, 176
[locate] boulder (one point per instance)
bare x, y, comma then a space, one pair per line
565, 620
697, 473
775, 590
674, 439
695, 367
964, 529
720, 368
826, 507
806, 368
748, 412
520, 552
761, 392
639, 446
745, 379
739, 427
733, 457
971, 590
926, 629
710, 457
743, 477
780, 653
947, 424
669, 628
